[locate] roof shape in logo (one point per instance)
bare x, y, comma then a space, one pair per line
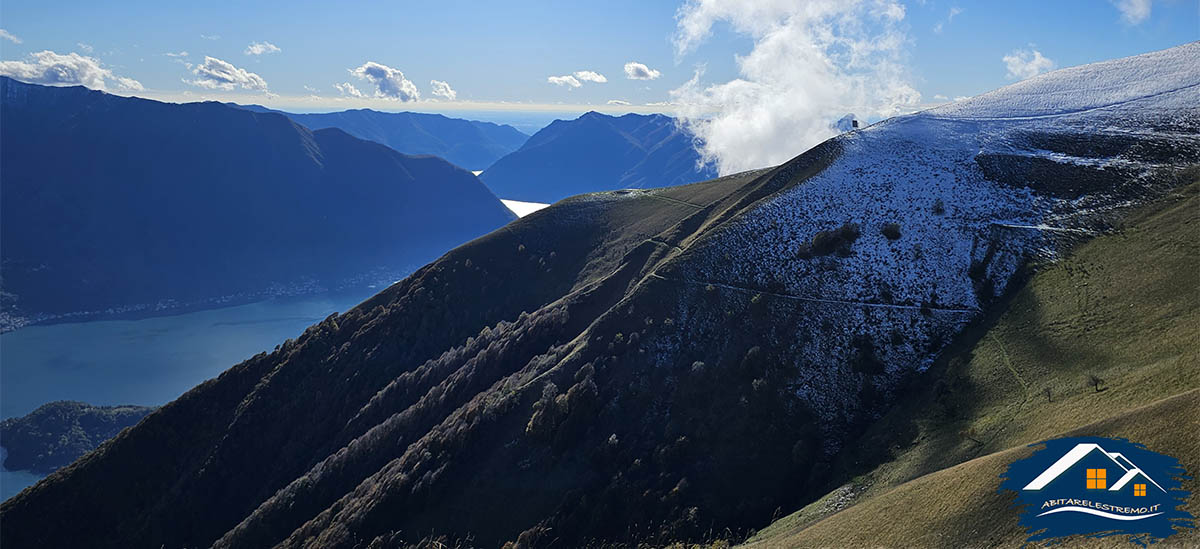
1078, 453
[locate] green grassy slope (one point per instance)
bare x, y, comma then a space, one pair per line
1124, 307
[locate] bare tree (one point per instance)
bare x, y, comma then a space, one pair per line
971, 434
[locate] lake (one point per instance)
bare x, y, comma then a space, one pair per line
148, 362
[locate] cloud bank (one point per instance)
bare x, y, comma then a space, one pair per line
1022, 64
442, 89
260, 48
1133, 11
811, 63
54, 69
389, 83
9, 36
216, 74
638, 71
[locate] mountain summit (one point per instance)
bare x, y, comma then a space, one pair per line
645, 365
598, 152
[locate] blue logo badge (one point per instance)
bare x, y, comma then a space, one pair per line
1098, 487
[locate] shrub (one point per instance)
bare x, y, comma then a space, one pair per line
891, 231
838, 240
939, 207
864, 360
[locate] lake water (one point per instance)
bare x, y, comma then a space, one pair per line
146, 362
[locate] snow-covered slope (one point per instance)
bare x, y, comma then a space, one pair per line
1168, 73
968, 193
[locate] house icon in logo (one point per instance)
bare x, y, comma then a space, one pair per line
1096, 463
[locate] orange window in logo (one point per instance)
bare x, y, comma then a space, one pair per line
1097, 479
1139, 489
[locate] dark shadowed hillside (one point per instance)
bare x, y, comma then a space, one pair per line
680, 363
469, 144
112, 204
597, 152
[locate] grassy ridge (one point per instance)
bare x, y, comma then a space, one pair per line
1124, 308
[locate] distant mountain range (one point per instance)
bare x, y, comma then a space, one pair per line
469, 144
654, 366
115, 204
597, 152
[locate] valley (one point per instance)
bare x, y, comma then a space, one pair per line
645, 365
699, 274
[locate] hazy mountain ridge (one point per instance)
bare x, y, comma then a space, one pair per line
598, 152
470, 144
647, 365
163, 205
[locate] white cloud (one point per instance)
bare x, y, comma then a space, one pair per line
577, 79
347, 89
180, 54
216, 74
954, 10
310, 89
568, 80
940, 97
590, 76
443, 89
618, 102
85, 48
50, 68
389, 83
260, 48
811, 63
1029, 63
1133, 11
9, 36
128, 83
638, 71
210, 36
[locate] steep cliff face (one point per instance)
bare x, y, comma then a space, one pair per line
643, 365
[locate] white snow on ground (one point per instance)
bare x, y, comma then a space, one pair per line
523, 209
896, 171
1086, 86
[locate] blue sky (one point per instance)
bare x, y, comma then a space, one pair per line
499, 55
